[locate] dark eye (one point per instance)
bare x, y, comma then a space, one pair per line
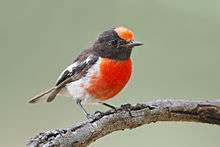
113, 43
116, 43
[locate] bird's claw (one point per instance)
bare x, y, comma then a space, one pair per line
98, 113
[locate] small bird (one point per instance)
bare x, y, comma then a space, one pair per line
99, 72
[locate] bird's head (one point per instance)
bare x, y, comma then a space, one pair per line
116, 43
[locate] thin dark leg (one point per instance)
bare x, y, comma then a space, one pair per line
78, 102
107, 105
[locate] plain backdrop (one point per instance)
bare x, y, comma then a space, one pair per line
180, 59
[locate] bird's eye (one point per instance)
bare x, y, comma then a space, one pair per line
113, 43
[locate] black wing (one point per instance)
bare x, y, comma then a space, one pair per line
79, 68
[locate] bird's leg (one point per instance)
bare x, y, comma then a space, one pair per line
78, 102
107, 105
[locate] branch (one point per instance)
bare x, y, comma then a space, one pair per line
129, 117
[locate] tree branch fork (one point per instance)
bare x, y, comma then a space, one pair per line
129, 117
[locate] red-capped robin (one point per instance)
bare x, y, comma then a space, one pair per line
99, 72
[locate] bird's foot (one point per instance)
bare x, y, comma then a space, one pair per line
127, 107
98, 113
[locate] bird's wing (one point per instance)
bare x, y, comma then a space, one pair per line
73, 73
67, 73
76, 70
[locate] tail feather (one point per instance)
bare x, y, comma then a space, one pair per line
53, 94
48, 96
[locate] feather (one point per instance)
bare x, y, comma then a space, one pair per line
43, 96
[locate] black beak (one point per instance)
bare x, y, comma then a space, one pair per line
132, 44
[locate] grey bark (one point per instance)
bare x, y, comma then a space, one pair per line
129, 117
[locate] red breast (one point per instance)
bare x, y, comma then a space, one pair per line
112, 77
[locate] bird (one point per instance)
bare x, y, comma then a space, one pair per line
99, 72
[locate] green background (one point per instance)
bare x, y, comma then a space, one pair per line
180, 59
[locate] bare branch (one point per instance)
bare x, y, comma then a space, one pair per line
129, 117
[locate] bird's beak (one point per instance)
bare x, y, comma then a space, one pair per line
132, 44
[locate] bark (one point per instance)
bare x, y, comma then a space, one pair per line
129, 117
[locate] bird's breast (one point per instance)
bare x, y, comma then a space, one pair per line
111, 78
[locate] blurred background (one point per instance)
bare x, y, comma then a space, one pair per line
180, 59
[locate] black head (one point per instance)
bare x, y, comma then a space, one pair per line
116, 43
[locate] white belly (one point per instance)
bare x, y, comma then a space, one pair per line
77, 89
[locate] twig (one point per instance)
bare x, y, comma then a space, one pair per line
129, 117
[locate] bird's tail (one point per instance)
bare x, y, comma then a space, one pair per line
47, 96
